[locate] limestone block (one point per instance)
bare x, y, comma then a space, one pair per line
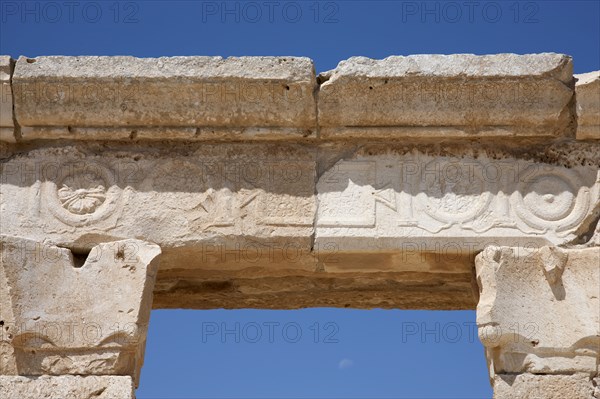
7, 126
531, 386
587, 92
219, 207
64, 313
459, 95
404, 203
539, 309
66, 387
164, 98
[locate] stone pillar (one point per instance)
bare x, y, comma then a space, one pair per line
539, 320
74, 326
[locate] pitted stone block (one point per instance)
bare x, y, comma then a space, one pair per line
191, 98
459, 95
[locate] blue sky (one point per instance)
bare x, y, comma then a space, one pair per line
368, 354
314, 353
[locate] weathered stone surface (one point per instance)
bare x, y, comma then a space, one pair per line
236, 221
65, 314
531, 386
459, 95
587, 92
274, 98
191, 97
265, 288
7, 127
235, 224
539, 310
387, 201
341, 221
207, 202
215, 209
66, 387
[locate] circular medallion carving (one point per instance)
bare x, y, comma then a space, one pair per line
554, 200
455, 192
83, 194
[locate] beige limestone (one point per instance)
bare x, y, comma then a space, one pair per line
531, 386
587, 92
539, 320
539, 310
106, 97
276, 98
448, 96
65, 314
382, 200
66, 387
7, 127
236, 222
237, 198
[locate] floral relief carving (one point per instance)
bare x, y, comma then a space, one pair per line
81, 201
84, 195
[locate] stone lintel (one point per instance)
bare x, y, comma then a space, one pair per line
409, 202
461, 96
457, 95
115, 98
284, 225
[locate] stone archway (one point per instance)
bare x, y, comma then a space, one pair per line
422, 182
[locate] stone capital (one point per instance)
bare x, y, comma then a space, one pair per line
67, 314
539, 316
